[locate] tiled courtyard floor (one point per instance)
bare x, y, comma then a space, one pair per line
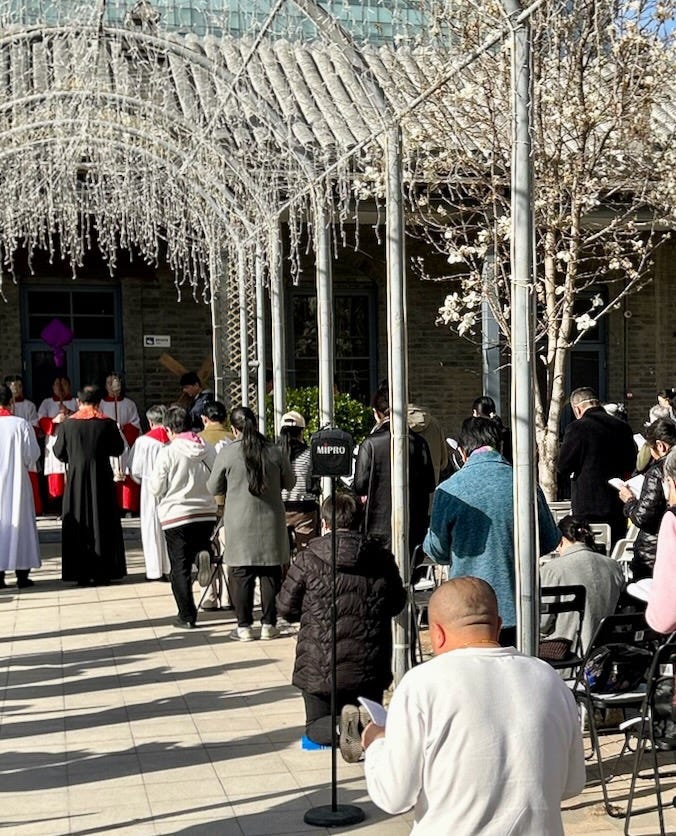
113, 721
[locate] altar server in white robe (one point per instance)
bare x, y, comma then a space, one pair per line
141, 463
20, 549
22, 407
124, 412
52, 412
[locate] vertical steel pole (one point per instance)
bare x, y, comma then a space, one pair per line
397, 354
324, 312
260, 340
490, 338
216, 328
277, 315
523, 330
243, 328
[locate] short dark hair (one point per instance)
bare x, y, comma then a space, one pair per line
484, 405
215, 411
190, 379
478, 432
381, 400
177, 420
664, 430
348, 511
90, 394
5, 395
13, 378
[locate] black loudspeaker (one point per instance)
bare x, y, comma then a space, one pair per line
331, 451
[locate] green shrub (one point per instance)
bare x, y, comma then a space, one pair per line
350, 415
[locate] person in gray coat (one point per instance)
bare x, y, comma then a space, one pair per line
579, 563
251, 473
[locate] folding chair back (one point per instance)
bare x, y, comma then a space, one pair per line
655, 728
555, 600
601, 532
422, 584
613, 674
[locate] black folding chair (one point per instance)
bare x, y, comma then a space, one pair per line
422, 584
613, 675
555, 600
655, 730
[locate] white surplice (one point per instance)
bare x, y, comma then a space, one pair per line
50, 408
26, 409
141, 462
124, 412
19, 450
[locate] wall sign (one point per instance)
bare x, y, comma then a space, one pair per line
156, 341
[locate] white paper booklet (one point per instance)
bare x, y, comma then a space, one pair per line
635, 484
376, 711
641, 589
639, 440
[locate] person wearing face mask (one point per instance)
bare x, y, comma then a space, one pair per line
661, 611
646, 511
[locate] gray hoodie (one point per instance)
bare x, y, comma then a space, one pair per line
179, 481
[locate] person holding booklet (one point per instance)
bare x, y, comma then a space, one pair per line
369, 592
646, 507
482, 740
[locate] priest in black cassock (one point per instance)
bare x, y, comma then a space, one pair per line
91, 534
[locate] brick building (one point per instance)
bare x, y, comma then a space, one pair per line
631, 353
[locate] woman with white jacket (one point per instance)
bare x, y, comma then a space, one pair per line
186, 508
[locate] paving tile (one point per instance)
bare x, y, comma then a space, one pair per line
115, 722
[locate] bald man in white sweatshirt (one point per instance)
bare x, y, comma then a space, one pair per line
480, 740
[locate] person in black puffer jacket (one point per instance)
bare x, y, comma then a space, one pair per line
647, 510
369, 592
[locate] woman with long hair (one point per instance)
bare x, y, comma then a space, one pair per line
251, 473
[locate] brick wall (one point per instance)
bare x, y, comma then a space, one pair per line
444, 370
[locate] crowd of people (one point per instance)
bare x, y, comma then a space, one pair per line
214, 494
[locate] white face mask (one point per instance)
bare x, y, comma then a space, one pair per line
666, 487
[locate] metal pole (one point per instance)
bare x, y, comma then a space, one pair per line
277, 315
216, 329
324, 313
490, 338
397, 357
260, 340
243, 328
523, 329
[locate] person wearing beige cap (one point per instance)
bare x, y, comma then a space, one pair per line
300, 503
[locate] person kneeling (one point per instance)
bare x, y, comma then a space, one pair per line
369, 592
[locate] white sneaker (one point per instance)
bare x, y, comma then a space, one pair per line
269, 631
242, 634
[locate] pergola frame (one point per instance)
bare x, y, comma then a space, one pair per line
241, 228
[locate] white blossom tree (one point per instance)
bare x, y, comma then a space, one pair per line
605, 188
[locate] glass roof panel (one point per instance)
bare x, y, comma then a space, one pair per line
376, 21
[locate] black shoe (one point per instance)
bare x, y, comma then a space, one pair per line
24, 582
166, 578
186, 625
3, 585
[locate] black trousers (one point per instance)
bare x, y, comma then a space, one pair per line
318, 711
242, 586
183, 543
